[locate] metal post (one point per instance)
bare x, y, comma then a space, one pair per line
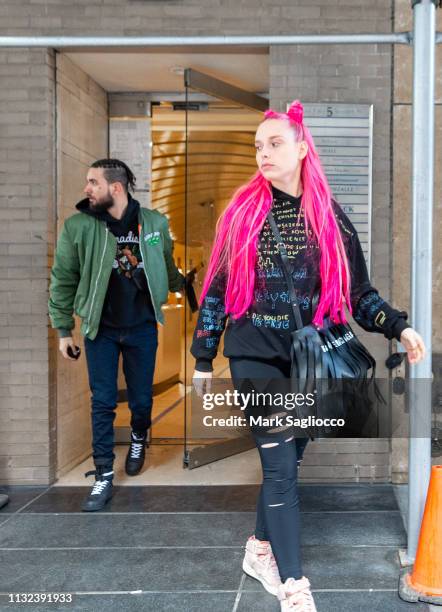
96, 42
424, 34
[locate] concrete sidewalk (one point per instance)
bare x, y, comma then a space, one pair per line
180, 548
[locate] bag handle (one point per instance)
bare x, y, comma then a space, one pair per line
286, 268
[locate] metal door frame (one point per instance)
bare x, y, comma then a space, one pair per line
216, 89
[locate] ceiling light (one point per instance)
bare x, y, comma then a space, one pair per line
178, 70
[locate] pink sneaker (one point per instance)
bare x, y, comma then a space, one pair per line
259, 563
295, 596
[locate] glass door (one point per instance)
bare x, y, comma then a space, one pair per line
221, 121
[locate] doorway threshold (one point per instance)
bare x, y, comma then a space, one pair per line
164, 466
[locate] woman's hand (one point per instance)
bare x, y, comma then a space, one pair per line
413, 344
202, 382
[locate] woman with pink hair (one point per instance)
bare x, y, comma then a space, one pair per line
245, 284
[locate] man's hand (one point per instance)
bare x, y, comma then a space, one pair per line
413, 344
63, 346
202, 382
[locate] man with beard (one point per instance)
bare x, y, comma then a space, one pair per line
113, 268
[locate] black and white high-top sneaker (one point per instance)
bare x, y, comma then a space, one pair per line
136, 454
101, 491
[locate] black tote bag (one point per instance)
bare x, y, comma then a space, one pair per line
331, 363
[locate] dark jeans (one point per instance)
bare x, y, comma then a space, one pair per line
278, 515
138, 346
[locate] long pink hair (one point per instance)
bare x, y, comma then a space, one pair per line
238, 228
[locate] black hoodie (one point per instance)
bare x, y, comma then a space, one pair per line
127, 302
264, 332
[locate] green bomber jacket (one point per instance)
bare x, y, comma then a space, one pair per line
83, 262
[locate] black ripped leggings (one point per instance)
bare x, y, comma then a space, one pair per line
278, 515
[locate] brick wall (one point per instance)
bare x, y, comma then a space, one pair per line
26, 234
401, 206
81, 139
402, 122
353, 74
192, 17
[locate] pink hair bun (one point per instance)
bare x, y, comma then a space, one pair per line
271, 114
296, 112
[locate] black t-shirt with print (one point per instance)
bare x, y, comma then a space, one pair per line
127, 302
